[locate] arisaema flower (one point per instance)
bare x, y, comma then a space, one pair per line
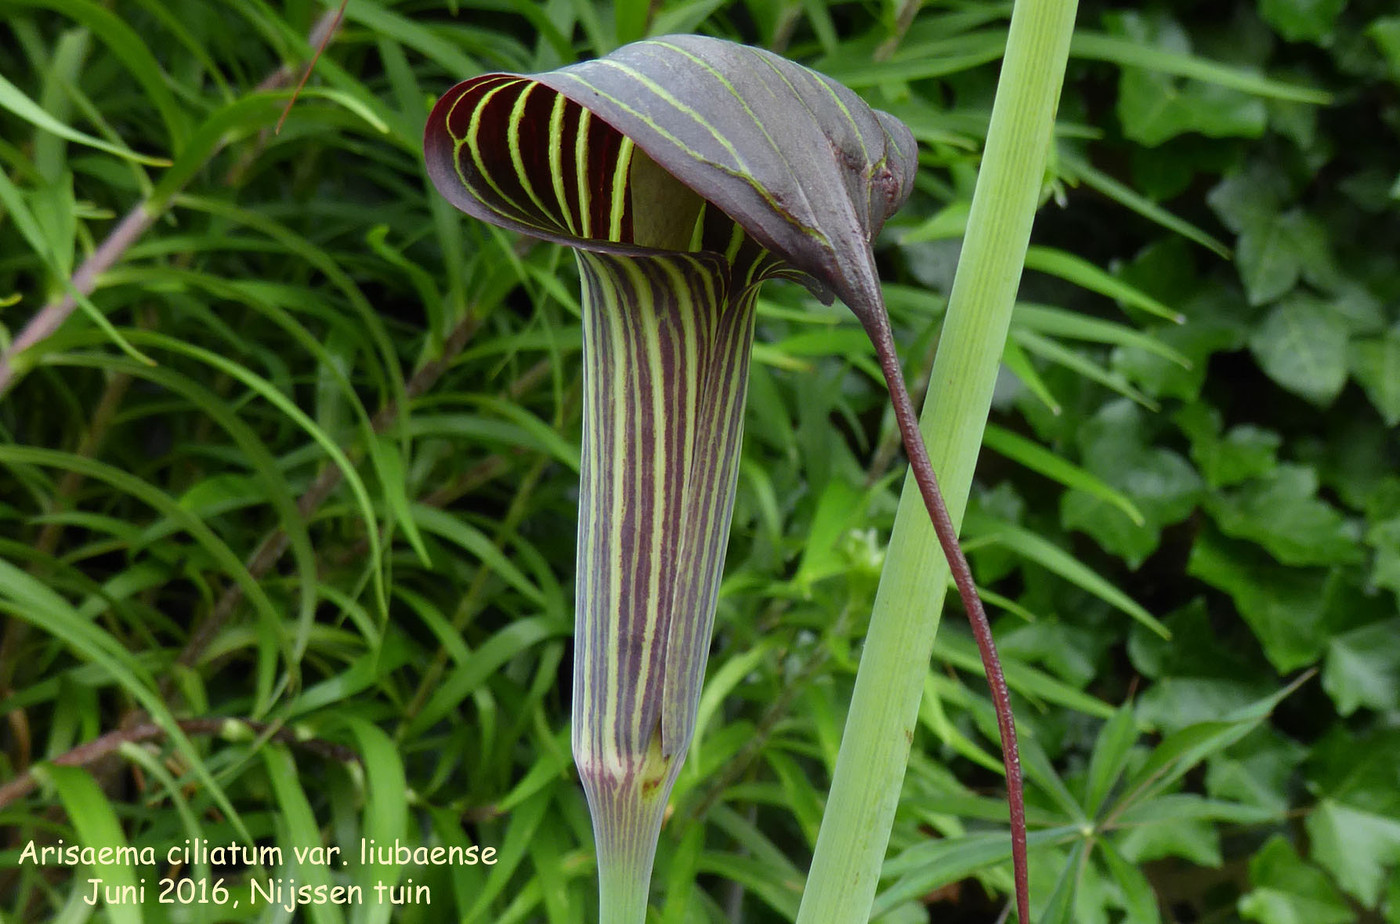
683, 171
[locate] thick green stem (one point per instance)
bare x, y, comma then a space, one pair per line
880, 727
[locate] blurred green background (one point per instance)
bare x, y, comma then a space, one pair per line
307, 457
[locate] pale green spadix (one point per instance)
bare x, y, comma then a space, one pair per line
684, 171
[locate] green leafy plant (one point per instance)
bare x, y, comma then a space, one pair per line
303, 580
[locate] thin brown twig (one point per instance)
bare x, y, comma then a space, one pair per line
106, 745
48, 319
320, 47
907, 11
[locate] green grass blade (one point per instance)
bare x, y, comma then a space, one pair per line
13, 99
1099, 46
1052, 557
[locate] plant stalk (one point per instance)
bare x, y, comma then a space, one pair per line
874, 753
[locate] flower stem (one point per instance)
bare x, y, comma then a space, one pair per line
921, 468
880, 727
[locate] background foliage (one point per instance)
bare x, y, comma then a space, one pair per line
315, 470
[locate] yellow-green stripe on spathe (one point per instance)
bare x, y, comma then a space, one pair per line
556, 158
670, 100
619, 188
749, 181
585, 205
473, 130
738, 97
865, 152
517, 115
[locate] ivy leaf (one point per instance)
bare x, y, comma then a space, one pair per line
1353, 458
1375, 363
1355, 846
1193, 656
1282, 513
1363, 668
1257, 771
1289, 891
1302, 20
1384, 537
1245, 452
1302, 345
1250, 198
1196, 340
1192, 839
1274, 251
1385, 32
1173, 703
1362, 311
1283, 606
1155, 107
1361, 769
1217, 320
1162, 485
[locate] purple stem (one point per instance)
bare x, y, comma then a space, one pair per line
877, 326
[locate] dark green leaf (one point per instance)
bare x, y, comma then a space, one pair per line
1375, 362
1289, 891
1363, 668
1197, 341
1274, 251
1356, 846
1360, 769
1385, 32
1384, 537
1173, 703
1283, 513
1283, 606
1155, 108
1193, 651
1245, 452
1302, 20
1302, 345
1251, 198
1258, 771
1160, 483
